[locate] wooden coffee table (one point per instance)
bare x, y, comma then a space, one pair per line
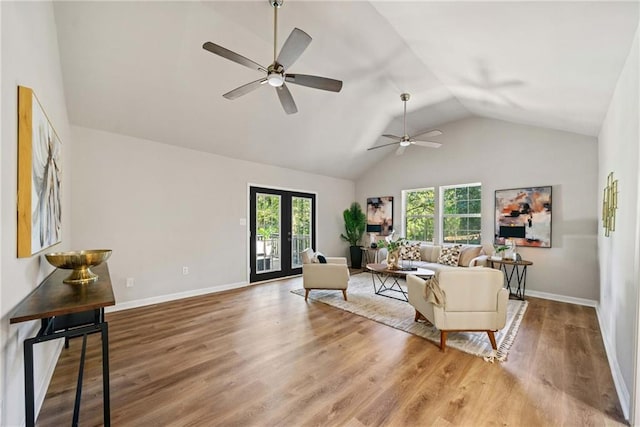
387, 280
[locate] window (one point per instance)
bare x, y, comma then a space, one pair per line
419, 214
461, 219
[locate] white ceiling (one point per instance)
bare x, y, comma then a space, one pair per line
138, 68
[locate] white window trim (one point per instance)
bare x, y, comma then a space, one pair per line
404, 208
440, 209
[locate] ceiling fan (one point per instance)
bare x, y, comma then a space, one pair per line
406, 140
276, 74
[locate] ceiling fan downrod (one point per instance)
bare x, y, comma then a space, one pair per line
275, 74
405, 142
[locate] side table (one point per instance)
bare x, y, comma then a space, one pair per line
370, 255
519, 267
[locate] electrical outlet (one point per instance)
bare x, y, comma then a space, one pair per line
130, 282
185, 270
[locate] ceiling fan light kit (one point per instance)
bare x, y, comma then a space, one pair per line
405, 140
276, 75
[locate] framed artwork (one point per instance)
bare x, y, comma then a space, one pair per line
39, 174
380, 215
523, 215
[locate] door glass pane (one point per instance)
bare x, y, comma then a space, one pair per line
268, 232
300, 228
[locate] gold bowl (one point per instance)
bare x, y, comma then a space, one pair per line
79, 262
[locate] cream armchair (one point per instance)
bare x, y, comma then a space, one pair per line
470, 300
332, 275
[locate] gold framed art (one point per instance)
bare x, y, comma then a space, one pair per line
39, 177
609, 205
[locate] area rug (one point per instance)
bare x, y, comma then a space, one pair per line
400, 315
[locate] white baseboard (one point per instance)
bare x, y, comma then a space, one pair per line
180, 295
563, 298
623, 393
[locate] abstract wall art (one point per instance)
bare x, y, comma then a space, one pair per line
523, 215
39, 177
380, 215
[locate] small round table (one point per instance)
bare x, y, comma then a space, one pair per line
520, 268
384, 275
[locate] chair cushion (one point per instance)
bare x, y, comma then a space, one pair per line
429, 253
449, 255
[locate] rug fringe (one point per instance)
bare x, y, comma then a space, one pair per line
506, 343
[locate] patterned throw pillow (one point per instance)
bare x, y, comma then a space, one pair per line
449, 255
410, 251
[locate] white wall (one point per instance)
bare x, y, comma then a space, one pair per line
618, 254
29, 58
503, 155
162, 207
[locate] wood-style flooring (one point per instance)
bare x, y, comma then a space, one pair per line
261, 356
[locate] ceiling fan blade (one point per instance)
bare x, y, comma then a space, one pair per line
244, 89
296, 43
286, 99
400, 150
398, 138
427, 144
430, 133
232, 56
315, 82
383, 145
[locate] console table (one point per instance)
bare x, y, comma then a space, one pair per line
519, 267
67, 311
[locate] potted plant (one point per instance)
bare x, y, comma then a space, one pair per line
393, 250
499, 251
355, 223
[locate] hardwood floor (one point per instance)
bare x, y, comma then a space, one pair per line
261, 356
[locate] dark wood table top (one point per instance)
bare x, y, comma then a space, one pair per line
55, 298
510, 261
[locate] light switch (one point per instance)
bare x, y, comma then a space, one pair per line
243, 221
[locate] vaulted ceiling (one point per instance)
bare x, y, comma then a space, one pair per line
138, 68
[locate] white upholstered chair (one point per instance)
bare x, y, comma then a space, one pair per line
332, 275
474, 299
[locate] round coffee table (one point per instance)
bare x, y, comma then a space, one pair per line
388, 285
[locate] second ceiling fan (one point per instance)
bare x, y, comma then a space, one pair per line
406, 140
276, 74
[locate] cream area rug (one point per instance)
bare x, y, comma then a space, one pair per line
400, 314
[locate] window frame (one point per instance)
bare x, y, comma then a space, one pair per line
433, 217
442, 215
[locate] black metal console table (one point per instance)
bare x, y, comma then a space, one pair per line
67, 311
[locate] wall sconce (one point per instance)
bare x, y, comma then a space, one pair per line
609, 205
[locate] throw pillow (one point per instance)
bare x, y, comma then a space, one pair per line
316, 257
307, 256
410, 251
449, 255
467, 254
321, 259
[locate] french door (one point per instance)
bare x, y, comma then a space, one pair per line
282, 224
